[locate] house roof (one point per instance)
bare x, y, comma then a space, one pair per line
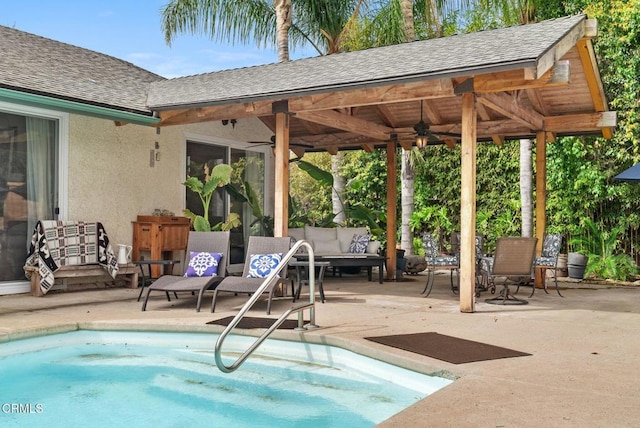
482, 52
527, 79
46, 67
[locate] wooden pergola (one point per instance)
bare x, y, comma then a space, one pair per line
536, 81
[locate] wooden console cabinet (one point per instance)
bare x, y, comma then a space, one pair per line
160, 235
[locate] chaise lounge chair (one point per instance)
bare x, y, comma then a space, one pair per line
204, 247
259, 262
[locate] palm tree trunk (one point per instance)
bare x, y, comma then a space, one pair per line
407, 175
337, 193
283, 23
406, 6
407, 178
526, 188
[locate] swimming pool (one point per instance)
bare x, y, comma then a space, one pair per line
139, 379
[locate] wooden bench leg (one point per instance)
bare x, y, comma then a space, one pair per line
35, 285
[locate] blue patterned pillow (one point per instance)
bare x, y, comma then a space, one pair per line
203, 264
261, 265
359, 244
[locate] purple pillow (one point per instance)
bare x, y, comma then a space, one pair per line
203, 264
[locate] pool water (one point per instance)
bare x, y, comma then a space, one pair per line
143, 379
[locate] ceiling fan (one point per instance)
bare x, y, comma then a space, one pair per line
425, 136
298, 148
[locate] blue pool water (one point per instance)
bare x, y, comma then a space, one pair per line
143, 379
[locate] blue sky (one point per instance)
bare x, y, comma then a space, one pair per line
129, 30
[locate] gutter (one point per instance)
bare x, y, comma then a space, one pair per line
75, 107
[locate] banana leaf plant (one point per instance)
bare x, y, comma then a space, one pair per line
219, 176
246, 194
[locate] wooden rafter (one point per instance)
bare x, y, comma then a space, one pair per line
347, 123
513, 80
510, 106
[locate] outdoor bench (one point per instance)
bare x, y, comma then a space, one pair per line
94, 272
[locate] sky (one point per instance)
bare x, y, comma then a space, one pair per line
130, 30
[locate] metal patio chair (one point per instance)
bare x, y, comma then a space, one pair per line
511, 263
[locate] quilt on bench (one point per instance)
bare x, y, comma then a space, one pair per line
57, 243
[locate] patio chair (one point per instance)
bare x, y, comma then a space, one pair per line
436, 260
548, 259
511, 263
259, 262
200, 273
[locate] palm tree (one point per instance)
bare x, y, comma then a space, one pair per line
240, 21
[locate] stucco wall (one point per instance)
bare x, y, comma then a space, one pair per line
111, 180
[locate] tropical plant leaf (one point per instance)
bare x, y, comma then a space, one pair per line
323, 177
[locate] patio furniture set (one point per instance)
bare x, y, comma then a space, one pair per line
206, 258
514, 262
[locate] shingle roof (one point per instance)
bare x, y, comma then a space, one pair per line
47, 67
493, 50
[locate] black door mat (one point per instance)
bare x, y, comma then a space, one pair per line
446, 348
254, 322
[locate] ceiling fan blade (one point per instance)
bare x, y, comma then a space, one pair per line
449, 134
298, 150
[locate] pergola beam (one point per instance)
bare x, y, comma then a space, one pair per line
348, 123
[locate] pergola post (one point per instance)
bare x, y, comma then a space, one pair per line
468, 203
281, 201
541, 198
392, 201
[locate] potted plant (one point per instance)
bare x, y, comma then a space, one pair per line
219, 176
597, 253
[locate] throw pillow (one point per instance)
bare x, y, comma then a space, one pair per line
203, 264
261, 265
359, 243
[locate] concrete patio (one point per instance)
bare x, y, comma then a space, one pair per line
582, 371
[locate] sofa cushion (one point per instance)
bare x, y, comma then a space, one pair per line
345, 235
296, 233
326, 247
373, 247
313, 234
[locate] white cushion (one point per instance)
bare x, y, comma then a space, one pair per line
345, 235
373, 247
326, 247
313, 234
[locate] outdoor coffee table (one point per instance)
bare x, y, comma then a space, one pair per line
355, 260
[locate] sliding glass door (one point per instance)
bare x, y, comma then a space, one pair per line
29, 151
248, 176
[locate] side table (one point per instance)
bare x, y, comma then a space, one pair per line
160, 264
302, 272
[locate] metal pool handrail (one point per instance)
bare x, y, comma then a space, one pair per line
271, 279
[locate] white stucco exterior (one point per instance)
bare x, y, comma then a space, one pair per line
109, 174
